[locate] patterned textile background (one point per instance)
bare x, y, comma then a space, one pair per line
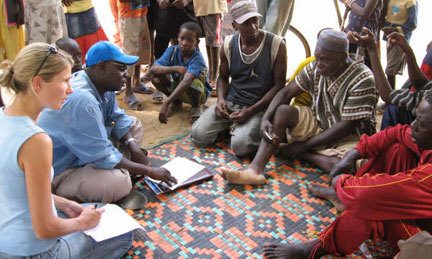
214, 219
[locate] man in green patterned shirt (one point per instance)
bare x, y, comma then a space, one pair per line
343, 107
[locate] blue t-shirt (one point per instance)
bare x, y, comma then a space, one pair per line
195, 64
17, 236
81, 129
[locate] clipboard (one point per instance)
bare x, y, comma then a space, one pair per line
160, 188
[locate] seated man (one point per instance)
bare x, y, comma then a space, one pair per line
71, 47
343, 107
256, 62
181, 74
388, 198
403, 101
87, 165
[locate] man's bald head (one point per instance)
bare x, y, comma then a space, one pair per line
72, 47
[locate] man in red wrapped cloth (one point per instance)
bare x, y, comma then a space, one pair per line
390, 197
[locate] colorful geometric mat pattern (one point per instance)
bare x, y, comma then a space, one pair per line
214, 219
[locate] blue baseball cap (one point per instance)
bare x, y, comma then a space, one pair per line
104, 51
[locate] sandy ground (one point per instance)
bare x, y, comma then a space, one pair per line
154, 131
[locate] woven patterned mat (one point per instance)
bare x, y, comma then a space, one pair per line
214, 219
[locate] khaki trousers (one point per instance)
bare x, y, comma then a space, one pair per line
91, 184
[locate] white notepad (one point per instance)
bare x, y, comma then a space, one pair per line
181, 169
114, 222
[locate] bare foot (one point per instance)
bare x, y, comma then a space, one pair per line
247, 176
292, 251
328, 194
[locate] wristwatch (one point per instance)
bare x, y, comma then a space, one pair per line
129, 140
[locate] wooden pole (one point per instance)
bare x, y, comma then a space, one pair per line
339, 15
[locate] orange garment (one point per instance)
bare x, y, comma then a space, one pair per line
125, 10
114, 11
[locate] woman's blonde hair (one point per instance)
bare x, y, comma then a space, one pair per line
17, 75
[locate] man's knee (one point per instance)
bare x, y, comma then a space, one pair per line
116, 187
200, 135
243, 145
205, 130
286, 116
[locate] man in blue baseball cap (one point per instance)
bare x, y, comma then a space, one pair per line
90, 129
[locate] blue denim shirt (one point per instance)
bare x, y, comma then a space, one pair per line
81, 130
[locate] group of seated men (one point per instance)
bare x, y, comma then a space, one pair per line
380, 182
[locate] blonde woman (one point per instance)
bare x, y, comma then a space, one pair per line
29, 225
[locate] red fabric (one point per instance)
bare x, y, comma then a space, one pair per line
387, 196
85, 42
427, 70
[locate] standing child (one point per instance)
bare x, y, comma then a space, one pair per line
135, 40
181, 74
401, 16
40, 78
209, 17
83, 25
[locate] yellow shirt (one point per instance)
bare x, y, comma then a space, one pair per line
397, 11
78, 6
303, 99
207, 7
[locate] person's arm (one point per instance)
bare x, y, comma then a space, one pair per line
164, 64
122, 131
157, 173
365, 11
416, 76
383, 14
163, 70
222, 86
90, 143
368, 40
278, 76
71, 208
37, 169
178, 91
371, 146
137, 154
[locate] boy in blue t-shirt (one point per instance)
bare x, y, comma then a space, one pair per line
181, 74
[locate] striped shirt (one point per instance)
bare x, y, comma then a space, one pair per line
406, 98
351, 96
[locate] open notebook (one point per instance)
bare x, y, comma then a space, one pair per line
184, 170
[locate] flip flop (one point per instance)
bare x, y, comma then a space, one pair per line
132, 101
142, 89
134, 200
158, 97
120, 91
